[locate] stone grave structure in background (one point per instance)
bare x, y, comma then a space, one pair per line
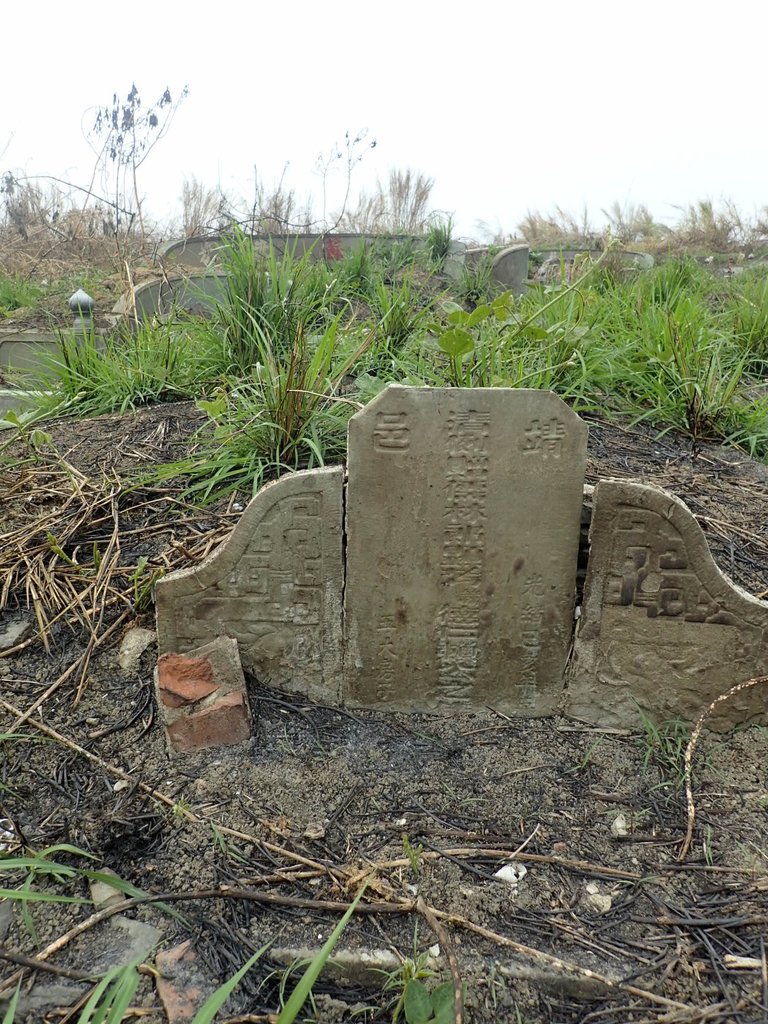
463, 512
441, 576
190, 279
463, 519
661, 628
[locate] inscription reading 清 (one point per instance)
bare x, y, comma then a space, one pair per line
463, 554
391, 432
544, 438
655, 572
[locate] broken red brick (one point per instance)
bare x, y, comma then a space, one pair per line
184, 680
178, 983
225, 722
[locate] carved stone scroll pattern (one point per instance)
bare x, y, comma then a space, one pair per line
273, 596
655, 573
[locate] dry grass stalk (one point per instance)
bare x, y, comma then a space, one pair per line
402, 206
66, 562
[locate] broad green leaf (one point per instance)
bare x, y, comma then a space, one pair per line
456, 342
443, 1003
214, 408
478, 314
417, 1003
458, 317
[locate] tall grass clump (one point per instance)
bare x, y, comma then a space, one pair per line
16, 293
269, 299
281, 354
746, 311
401, 311
675, 358
153, 363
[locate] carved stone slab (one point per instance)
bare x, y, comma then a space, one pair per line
463, 513
275, 586
662, 629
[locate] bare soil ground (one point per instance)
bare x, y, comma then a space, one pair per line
269, 841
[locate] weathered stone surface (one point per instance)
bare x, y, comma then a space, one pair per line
15, 628
133, 645
463, 516
203, 697
275, 586
510, 268
124, 940
662, 630
105, 895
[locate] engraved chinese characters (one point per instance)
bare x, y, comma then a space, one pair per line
662, 629
275, 586
463, 512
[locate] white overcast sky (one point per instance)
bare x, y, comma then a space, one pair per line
509, 106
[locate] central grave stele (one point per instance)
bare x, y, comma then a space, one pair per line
462, 531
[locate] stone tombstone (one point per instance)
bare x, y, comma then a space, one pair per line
275, 586
462, 520
662, 631
510, 268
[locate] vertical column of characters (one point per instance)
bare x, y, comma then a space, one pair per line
463, 555
391, 436
531, 615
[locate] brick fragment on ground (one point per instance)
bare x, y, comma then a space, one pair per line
184, 680
178, 983
203, 698
223, 723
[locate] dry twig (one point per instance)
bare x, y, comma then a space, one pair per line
689, 750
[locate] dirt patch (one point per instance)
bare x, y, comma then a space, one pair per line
270, 840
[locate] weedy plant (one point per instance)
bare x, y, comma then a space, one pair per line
664, 746
438, 242
269, 300
16, 293
417, 1002
413, 853
402, 311
154, 363
287, 414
